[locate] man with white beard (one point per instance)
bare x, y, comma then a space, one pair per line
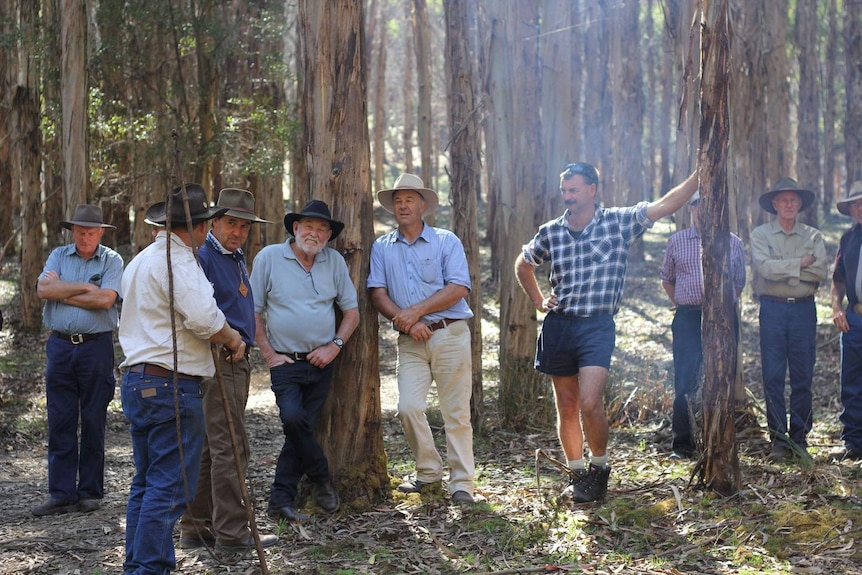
297, 285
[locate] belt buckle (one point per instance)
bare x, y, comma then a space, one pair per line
76, 338
791, 300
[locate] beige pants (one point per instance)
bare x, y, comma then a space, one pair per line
445, 359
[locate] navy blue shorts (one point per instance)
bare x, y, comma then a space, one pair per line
566, 344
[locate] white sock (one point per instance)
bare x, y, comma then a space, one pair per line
577, 464
599, 461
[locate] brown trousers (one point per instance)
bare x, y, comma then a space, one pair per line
217, 504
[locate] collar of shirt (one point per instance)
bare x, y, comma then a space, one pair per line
217, 245
427, 234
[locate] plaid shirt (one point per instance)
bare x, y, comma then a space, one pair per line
682, 266
588, 272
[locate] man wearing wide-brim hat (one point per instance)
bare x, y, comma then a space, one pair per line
420, 280
80, 286
217, 514
167, 359
789, 262
297, 286
847, 282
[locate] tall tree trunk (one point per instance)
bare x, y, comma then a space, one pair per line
515, 82
853, 90
407, 94
830, 175
8, 81
720, 469
380, 117
424, 124
73, 85
332, 45
29, 159
779, 129
54, 198
464, 176
808, 109
597, 98
204, 20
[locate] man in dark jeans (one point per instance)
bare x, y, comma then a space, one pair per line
682, 279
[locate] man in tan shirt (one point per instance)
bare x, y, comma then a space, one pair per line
789, 262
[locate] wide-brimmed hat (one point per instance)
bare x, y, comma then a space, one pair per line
854, 194
86, 216
155, 212
198, 208
314, 209
785, 185
409, 182
240, 204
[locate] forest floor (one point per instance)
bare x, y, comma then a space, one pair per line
793, 517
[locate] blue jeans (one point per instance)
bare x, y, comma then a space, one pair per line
687, 368
300, 392
79, 380
787, 343
851, 383
157, 496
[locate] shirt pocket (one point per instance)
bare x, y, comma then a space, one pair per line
602, 250
429, 270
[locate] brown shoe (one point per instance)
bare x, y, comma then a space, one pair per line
53, 507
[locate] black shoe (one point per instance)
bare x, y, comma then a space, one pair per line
414, 486
574, 477
246, 544
54, 507
286, 513
461, 497
679, 454
89, 505
780, 451
327, 497
593, 486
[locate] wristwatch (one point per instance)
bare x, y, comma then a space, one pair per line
339, 342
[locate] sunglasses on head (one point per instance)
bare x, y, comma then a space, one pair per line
589, 173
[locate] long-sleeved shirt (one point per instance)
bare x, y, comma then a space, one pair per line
776, 260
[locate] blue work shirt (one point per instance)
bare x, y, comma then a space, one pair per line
227, 272
413, 272
104, 269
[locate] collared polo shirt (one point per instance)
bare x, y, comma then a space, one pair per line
228, 274
299, 305
103, 269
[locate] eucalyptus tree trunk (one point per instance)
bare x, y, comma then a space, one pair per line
422, 50
464, 176
73, 86
686, 43
8, 76
407, 94
853, 90
719, 468
779, 129
514, 85
332, 46
808, 109
597, 98
380, 116
27, 141
829, 170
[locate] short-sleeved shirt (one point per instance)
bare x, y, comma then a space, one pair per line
682, 266
588, 269
776, 255
145, 324
413, 272
300, 305
229, 277
103, 269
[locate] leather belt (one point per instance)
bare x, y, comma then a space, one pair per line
159, 371
787, 299
441, 324
295, 355
77, 338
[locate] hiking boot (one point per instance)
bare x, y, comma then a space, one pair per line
780, 452
574, 477
593, 485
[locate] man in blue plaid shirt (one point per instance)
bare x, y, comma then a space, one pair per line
587, 248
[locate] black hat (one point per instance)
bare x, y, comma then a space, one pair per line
86, 216
198, 208
785, 185
314, 209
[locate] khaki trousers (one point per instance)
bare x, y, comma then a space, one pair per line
218, 503
446, 360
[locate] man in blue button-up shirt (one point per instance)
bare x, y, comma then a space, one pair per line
80, 286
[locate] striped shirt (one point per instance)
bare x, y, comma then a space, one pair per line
682, 266
588, 272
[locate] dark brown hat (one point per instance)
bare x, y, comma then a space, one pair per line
240, 204
198, 208
314, 209
86, 216
785, 185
